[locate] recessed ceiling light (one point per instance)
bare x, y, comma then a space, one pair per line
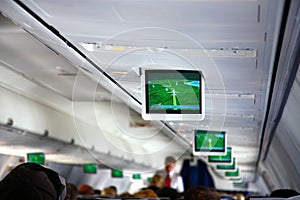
120, 72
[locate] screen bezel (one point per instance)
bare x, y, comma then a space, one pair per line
166, 115
205, 152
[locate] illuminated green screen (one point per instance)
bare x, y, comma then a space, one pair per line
116, 173
173, 91
236, 179
90, 168
222, 159
136, 176
209, 141
233, 173
38, 158
227, 167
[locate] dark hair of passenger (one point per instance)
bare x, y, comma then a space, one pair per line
168, 192
147, 193
85, 189
201, 193
32, 181
72, 192
284, 193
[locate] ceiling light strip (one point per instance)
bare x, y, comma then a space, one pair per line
213, 52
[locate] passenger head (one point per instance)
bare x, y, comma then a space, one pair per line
168, 192
109, 191
170, 163
72, 192
126, 194
157, 180
114, 188
284, 193
97, 192
32, 181
201, 193
85, 189
145, 193
240, 196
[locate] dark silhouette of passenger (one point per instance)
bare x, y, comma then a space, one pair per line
168, 192
126, 194
201, 193
72, 192
284, 193
97, 192
156, 182
33, 181
110, 191
147, 193
86, 189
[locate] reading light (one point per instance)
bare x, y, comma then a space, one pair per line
88, 46
113, 48
120, 72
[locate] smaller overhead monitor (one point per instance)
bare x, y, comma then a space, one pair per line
90, 168
227, 167
209, 143
237, 179
136, 176
116, 173
226, 159
173, 94
37, 157
232, 174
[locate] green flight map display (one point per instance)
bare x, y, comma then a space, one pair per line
209, 143
174, 91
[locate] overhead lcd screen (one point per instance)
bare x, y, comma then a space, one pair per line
227, 167
235, 173
136, 176
227, 158
173, 95
116, 173
209, 142
90, 168
38, 158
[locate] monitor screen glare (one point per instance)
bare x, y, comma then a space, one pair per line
172, 95
209, 143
